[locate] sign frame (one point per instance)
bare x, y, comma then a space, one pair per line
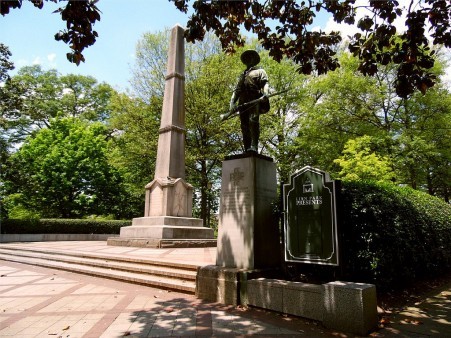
327, 239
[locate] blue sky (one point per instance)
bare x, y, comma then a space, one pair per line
29, 33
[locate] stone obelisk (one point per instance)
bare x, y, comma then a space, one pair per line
167, 217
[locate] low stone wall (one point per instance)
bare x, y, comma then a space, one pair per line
6, 238
299, 299
345, 306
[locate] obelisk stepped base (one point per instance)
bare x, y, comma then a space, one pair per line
165, 231
164, 227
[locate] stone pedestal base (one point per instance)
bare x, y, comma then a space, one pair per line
168, 196
248, 236
225, 285
165, 231
161, 243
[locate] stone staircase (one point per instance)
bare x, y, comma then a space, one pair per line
166, 275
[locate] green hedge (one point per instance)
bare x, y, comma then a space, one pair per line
392, 235
62, 226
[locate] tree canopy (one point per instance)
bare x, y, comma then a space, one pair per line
63, 171
284, 28
34, 96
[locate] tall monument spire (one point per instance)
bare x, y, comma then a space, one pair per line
168, 194
171, 141
169, 199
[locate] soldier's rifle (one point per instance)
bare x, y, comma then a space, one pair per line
236, 111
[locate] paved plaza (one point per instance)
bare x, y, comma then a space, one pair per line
43, 302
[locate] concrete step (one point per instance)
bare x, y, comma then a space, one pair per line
109, 256
174, 276
164, 271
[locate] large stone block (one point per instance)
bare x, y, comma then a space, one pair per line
304, 300
166, 227
350, 307
226, 285
299, 299
266, 293
216, 284
248, 235
168, 221
166, 232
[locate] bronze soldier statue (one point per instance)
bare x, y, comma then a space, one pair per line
252, 86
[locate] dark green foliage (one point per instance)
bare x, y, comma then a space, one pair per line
393, 235
283, 28
62, 226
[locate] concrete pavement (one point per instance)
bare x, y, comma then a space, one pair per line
42, 302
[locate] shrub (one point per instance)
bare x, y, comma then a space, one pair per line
62, 226
392, 235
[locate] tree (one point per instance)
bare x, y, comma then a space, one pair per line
6, 104
422, 155
282, 27
9, 98
281, 125
84, 97
412, 133
134, 143
149, 70
5, 64
359, 162
44, 94
63, 171
208, 140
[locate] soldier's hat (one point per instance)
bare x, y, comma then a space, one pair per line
250, 57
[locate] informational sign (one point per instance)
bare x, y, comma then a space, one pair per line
310, 224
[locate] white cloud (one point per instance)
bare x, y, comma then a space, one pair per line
47, 62
51, 57
37, 61
67, 91
51, 60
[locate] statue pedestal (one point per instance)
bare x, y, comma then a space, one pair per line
248, 236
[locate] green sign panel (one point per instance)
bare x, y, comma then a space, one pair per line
310, 218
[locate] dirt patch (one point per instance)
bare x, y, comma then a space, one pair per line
396, 300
